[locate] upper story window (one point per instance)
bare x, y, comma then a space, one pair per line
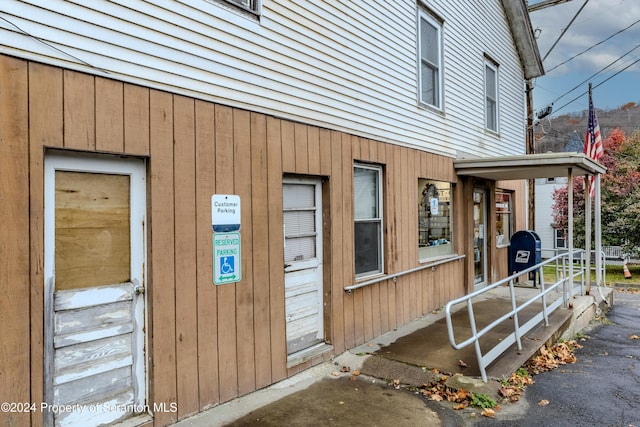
430, 56
252, 6
491, 95
367, 210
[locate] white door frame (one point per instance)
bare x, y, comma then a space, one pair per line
316, 262
94, 163
483, 234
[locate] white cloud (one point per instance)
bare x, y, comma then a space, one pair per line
600, 19
597, 21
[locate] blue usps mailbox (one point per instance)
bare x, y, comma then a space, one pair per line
525, 252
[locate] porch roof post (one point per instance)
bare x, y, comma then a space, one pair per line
598, 226
587, 232
569, 279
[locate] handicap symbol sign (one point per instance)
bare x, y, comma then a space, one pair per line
227, 265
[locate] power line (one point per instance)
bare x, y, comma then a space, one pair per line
599, 84
565, 29
593, 75
591, 47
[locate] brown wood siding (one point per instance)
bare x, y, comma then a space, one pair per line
45, 113
207, 344
14, 244
162, 286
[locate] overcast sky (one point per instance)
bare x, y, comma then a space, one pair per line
597, 21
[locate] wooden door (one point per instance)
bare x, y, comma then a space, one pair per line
302, 212
95, 209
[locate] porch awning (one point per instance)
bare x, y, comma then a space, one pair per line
530, 166
549, 165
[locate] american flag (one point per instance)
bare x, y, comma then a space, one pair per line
593, 142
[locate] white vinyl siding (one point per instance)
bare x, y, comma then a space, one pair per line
544, 217
331, 64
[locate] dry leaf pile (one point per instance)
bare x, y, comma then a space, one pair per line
439, 391
513, 387
550, 358
460, 399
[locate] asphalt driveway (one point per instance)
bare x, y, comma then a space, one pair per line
601, 389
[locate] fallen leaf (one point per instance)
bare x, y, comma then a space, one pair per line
461, 395
489, 413
543, 402
437, 397
507, 391
460, 406
335, 373
355, 373
352, 378
461, 363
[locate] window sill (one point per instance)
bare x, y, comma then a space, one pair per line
494, 133
437, 258
372, 276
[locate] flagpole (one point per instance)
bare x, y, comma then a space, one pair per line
594, 148
587, 217
597, 207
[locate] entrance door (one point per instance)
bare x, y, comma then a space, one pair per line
95, 211
302, 212
479, 237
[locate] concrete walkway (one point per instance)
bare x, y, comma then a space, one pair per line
376, 383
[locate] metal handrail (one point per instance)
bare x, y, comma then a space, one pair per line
394, 276
518, 330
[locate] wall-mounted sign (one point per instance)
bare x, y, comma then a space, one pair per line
227, 258
225, 213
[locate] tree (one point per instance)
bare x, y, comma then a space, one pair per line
620, 195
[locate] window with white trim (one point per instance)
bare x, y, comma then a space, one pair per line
559, 238
504, 218
430, 57
367, 210
435, 218
491, 95
252, 6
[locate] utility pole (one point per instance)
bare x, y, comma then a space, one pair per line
544, 4
531, 183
